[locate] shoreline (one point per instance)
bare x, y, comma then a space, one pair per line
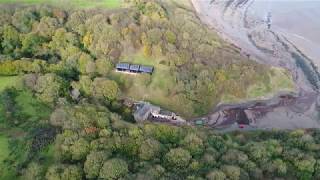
252, 36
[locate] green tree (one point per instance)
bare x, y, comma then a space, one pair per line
170, 37
154, 36
46, 27
216, 175
33, 172
193, 144
94, 163
31, 44
149, 149
71, 172
23, 19
79, 149
49, 87
277, 167
258, 152
305, 167
105, 89
232, 172
54, 172
85, 85
103, 66
10, 39
84, 61
234, 156
114, 169
76, 22
164, 133
177, 159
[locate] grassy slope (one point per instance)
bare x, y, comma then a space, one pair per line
153, 88
4, 146
5, 174
72, 3
279, 80
33, 110
8, 81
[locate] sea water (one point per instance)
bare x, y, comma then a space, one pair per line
298, 20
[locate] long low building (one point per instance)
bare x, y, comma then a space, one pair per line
134, 68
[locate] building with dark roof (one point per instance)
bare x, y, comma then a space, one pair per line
134, 68
146, 69
123, 67
143, 111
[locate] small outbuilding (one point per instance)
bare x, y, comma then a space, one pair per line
134, 68
164, 114
143, 111
146, 69
199, 122
123, 67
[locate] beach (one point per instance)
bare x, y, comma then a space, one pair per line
268, 32
297, 20
279, 33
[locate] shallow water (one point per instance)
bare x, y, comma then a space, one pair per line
299, 20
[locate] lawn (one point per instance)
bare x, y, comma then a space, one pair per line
32, 107
159, 88
72, 3
4, 148
8, 81
279, 80
5, 173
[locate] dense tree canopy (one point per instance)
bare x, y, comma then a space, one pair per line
67, 119
90, 42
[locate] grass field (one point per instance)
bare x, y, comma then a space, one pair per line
30, 111
5, 173
280, 80
4, 147
157, 88
8, 81
71, 3
32, 107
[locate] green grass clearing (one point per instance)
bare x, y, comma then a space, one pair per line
8, 81
86, 4
280, 80
32, 107
4, 147
5, 173
159, 88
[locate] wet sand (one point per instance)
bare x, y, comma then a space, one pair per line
238, 22
297, 20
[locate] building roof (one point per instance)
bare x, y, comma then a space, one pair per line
122, 66
199, 122
143, 111
165, 112
134, 67
146, 69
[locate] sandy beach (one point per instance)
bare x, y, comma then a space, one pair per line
243, 23
276, 33
297, 20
